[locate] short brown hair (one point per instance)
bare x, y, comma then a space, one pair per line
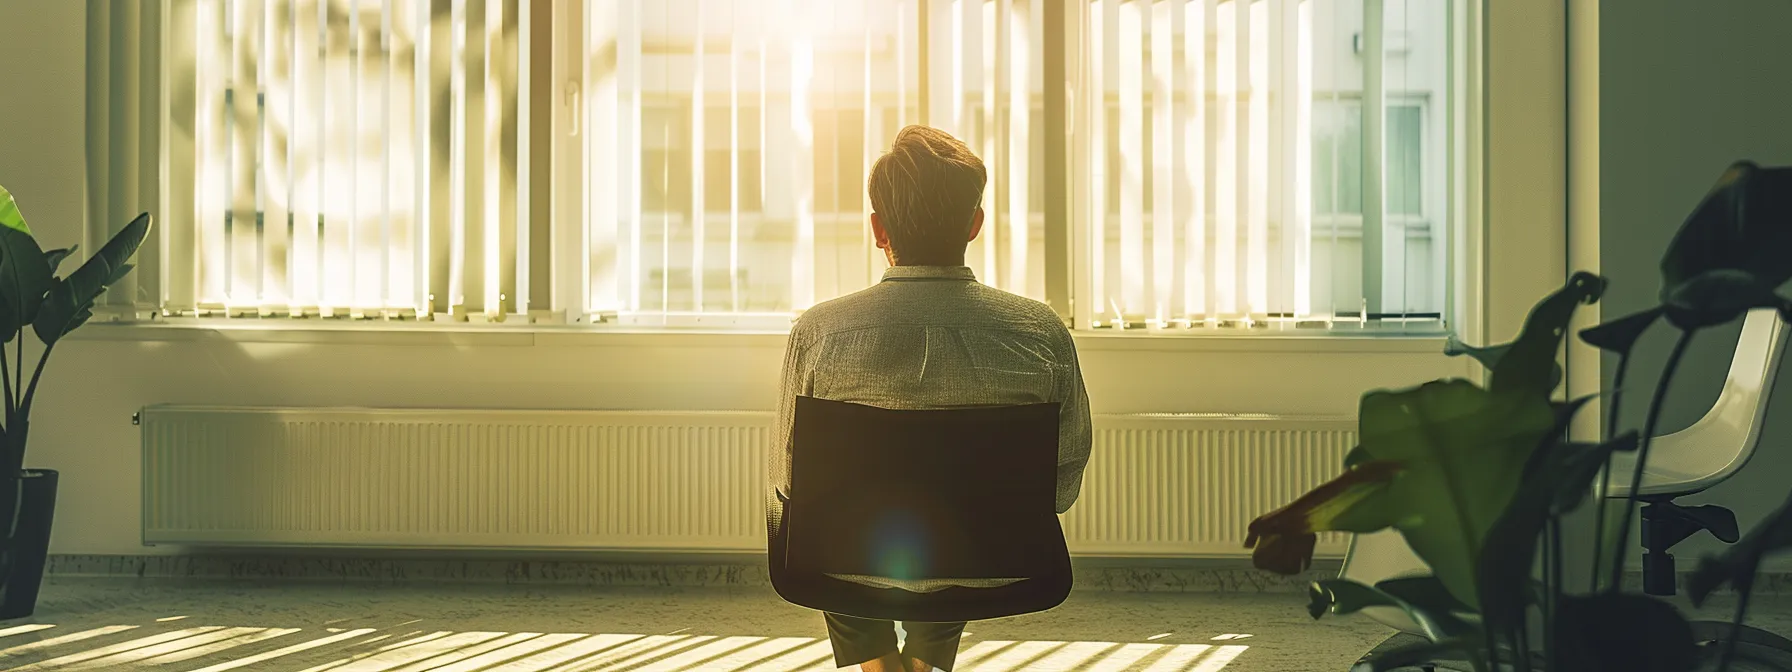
925, 191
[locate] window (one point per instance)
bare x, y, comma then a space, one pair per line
345, 158
1225, 164
790, 101
1229, 184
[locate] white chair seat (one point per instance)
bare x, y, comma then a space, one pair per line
1721, 442
1669, 474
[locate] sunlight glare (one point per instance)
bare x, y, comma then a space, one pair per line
104, 651
23, 629
276, 653
485, 651
65, 639
1124, 657
1220, 658
1178, 658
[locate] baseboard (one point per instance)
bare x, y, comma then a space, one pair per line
1191, 575
1113, 574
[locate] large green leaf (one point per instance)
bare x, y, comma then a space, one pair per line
24, 272
1556, 482
1738, 564
1618, 336
1446, 457
1730, 255
71, 298
1528, 368
1463, 451
1342, 597
1489, 356
55, 257
1424, 592
9, 213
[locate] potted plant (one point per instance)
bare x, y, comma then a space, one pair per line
1478, 479
33, 298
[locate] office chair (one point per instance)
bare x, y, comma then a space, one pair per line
908, 494
1708, 452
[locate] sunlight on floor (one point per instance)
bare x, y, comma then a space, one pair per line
220, 648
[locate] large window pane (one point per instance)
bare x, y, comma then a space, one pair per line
758, 121
1231, 185
347, 157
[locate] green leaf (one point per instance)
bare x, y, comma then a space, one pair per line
1490, 356
1530, 366
1343, 597
1738, 564
24, 272
1608, 632
55, 257
80, 319
118, 274
1557, 481
70, 297
1620, 335
1424, 592
1463, 451
10, 217
1731, 251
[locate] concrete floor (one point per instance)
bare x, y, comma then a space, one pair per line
210, 625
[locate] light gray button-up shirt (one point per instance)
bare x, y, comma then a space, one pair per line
930, 337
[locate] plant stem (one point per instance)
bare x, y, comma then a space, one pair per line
1642, 457
1742, 594
6, 381
1557, 588
1605, 472
31, 393
1521, 637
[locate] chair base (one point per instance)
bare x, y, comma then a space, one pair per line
1757, 650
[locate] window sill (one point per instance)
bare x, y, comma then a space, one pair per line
529, 335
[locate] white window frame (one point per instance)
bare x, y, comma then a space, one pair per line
1506, 88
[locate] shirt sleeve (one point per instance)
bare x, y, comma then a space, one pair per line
1075, 434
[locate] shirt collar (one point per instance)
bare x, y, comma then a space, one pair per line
929, 273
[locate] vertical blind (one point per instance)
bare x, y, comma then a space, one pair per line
1234, 163
347, 158
1247, 157
727, 144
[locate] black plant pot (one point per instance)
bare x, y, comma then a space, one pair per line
24, 560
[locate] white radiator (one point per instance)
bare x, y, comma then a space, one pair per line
665, 481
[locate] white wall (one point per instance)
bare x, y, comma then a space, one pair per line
1685, 89
97, 380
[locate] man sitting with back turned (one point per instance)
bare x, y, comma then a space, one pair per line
929, 336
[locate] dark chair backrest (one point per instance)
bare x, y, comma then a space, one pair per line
923, 494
